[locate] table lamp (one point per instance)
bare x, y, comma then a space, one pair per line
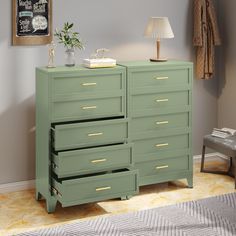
158, 27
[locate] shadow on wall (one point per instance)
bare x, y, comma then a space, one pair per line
17, 142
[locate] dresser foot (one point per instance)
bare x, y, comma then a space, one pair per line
38, 196
190, 182
51, 205
126, 197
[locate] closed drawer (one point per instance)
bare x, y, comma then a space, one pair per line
160, 167
156, 145
159, 123
92, 160
140, 103
96, 188
63, 110
86, 84
160, 78
88, 134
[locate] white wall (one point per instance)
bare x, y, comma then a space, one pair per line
117, 25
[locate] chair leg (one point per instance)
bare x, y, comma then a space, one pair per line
203, 158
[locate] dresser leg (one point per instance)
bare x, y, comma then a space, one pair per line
190, 182
38, 196
51, 205
126, 197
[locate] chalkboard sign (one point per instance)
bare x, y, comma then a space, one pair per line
32, 22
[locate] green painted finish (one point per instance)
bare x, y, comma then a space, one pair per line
143, 103
87, 109
92, 84
97, 187
159, 78
89, 134
163, 166
92, 160
93, 126
155, 145
159, 123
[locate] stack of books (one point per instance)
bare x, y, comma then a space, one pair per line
223, 133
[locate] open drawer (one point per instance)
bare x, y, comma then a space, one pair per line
92, 160
96, 187
89, 134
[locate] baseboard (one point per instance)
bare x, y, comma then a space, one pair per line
17, 186
30, 184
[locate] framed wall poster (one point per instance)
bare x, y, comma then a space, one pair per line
31, 22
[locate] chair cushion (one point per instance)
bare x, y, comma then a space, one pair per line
226, 146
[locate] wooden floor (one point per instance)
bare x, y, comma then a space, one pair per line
19, 212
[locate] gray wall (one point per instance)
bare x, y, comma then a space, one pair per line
117, 25
227, 83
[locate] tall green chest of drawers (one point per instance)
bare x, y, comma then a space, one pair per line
159, 102
102, 133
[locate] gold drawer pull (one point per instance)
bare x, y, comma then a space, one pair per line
89, 84
103, 189
162, 78
162, 167
98, 161
162, 100
162, 145
95, 134
89, 107
56, 192
162, 122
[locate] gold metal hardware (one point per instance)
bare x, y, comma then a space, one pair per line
89, 84
95, 134
162, 78
162, 145
162, 100
162, 167
162, 122
103, 189
98, 161
55, 191
89, 107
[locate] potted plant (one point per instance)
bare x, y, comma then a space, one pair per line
71, 41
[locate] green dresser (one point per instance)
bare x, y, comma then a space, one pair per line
102, 133
159, 105
83, 152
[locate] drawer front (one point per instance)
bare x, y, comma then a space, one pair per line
160, 100
156, 145
89, 134
160, 167
96, 188
159, 123
87, 109
160, 78
92, 160
86, 84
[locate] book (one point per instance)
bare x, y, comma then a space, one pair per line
99, 62
223, 133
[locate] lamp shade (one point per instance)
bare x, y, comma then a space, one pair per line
158, 27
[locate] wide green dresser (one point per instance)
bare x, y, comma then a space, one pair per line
102, 133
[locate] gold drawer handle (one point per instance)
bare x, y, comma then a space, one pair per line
162, 122
162, 145
95, 134
89, 84
98, 161
103, 189
89, 107
162, 78
162, 167
162, 100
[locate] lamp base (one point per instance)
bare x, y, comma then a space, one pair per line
158, 59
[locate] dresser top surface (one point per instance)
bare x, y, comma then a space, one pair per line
155, 64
